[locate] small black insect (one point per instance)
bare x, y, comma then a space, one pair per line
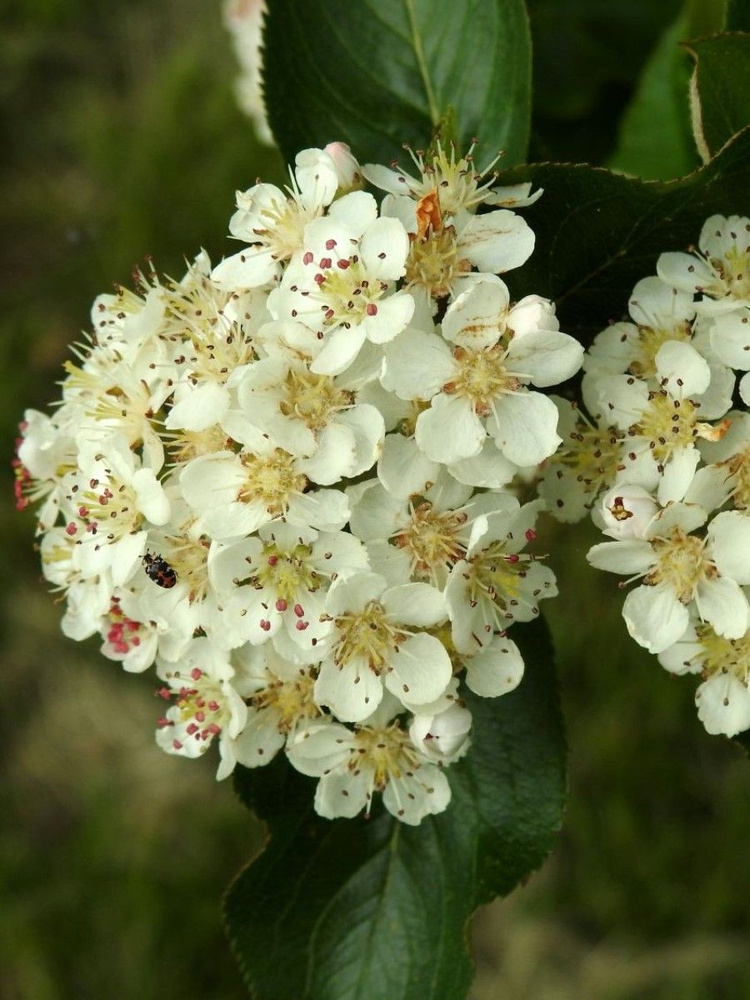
159, 570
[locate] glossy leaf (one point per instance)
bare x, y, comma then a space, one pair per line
655, 141
371, 909
720, 89
379, 74
597, 232
737, 15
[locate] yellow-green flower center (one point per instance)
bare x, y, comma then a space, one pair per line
668, 424
481, 377
313, 399
272, 480
681, 564
366, 635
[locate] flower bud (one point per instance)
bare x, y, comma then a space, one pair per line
627, 511
443, 737
347, 168
532, 313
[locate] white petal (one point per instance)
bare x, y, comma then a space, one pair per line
497, 241
410, 799
450, 430
403, 469
474, 319
421, 669
260, 740
684, 271
340, 795
525, 427
375, 514
352, 593
545, 356
199, 408
392, 316
681, 370
495, 671
352, 691
678, 475
327, 510
723, 703
660, 306
334, 458
320, 748
417, 365
250, 268
730, 338
722, 603
415, 604
729, 538
356, 211
212, 480
150, 496
367, 426
340, 349
654, 617
489, 469
384, 249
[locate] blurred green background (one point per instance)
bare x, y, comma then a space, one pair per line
121, 138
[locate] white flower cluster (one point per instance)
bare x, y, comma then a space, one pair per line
282, 480
663, 463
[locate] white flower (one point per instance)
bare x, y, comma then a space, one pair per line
131, 642
377, 756
206, 706
280, 696
234, 494
662, 425
723, 699
348, 170
273, 586
340, 283
495, 584
111, 501
273, 222
587, 462
460, 185
481, 390
683, 572
720, 271
44, 453
660, 313
730, 461
312, 416
376, 642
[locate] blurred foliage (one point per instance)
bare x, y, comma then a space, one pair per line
120, 137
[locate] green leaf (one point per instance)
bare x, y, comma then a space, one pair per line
737, 15
597, 232
376, 910
655, 142
588, 56
720, 89
379, 73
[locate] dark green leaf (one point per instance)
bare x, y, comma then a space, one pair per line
588, 56
597, 232
375, 910
380, 73
655, 140
737, 15
720, 89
